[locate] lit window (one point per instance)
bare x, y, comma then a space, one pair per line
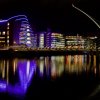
8, 37
28, 38
28, 42
27, 26
8, 24
28, 34
2, 41
7, 41
3, 33
8, 28
2, 37
42, 35
28, 30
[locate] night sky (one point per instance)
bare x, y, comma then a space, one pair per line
55, 14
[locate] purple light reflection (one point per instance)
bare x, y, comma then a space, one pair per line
3, 86
21, 19
26, 74
26, 71
1, 21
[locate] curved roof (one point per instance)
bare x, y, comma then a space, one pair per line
18, 17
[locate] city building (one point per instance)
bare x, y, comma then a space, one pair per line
35, 39
57, 40
48, 38
80, 43
42, 40
16, 30
75, 42
4, 33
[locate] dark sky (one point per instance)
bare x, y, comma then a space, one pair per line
56, 14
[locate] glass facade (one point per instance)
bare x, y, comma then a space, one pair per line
16, 30
75, 42
57, 40
41, 41
26, 35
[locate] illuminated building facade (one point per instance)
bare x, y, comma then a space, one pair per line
57, 40
4, 33
15, 30
35, 39
80, 43
48, 38
90, 43
75, 42
42, 39
26, 34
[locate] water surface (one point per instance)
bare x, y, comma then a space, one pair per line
66, 76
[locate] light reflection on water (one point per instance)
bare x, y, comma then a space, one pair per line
16, 74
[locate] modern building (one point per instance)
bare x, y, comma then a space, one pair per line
57, 40
80, 43
4, 33
16, 30
35, 39
48, 38
75, 42
42, 40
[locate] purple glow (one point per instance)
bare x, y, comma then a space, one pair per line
25, 22
3, 86
21, 19
26, 71
1, 21
17, 16
25, 77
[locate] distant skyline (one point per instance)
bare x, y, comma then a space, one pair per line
55, 14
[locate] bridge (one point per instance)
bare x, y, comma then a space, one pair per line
97, 40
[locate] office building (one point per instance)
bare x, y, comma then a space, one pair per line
57, 40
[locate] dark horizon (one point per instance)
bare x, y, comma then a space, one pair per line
55, 14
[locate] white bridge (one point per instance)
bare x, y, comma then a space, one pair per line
91, 18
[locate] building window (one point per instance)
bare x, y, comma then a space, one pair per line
3, 33
8, 24
28, 42
28, 30
7, 41
8, 37
28, 27
29, 38
28, 34
8, 28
